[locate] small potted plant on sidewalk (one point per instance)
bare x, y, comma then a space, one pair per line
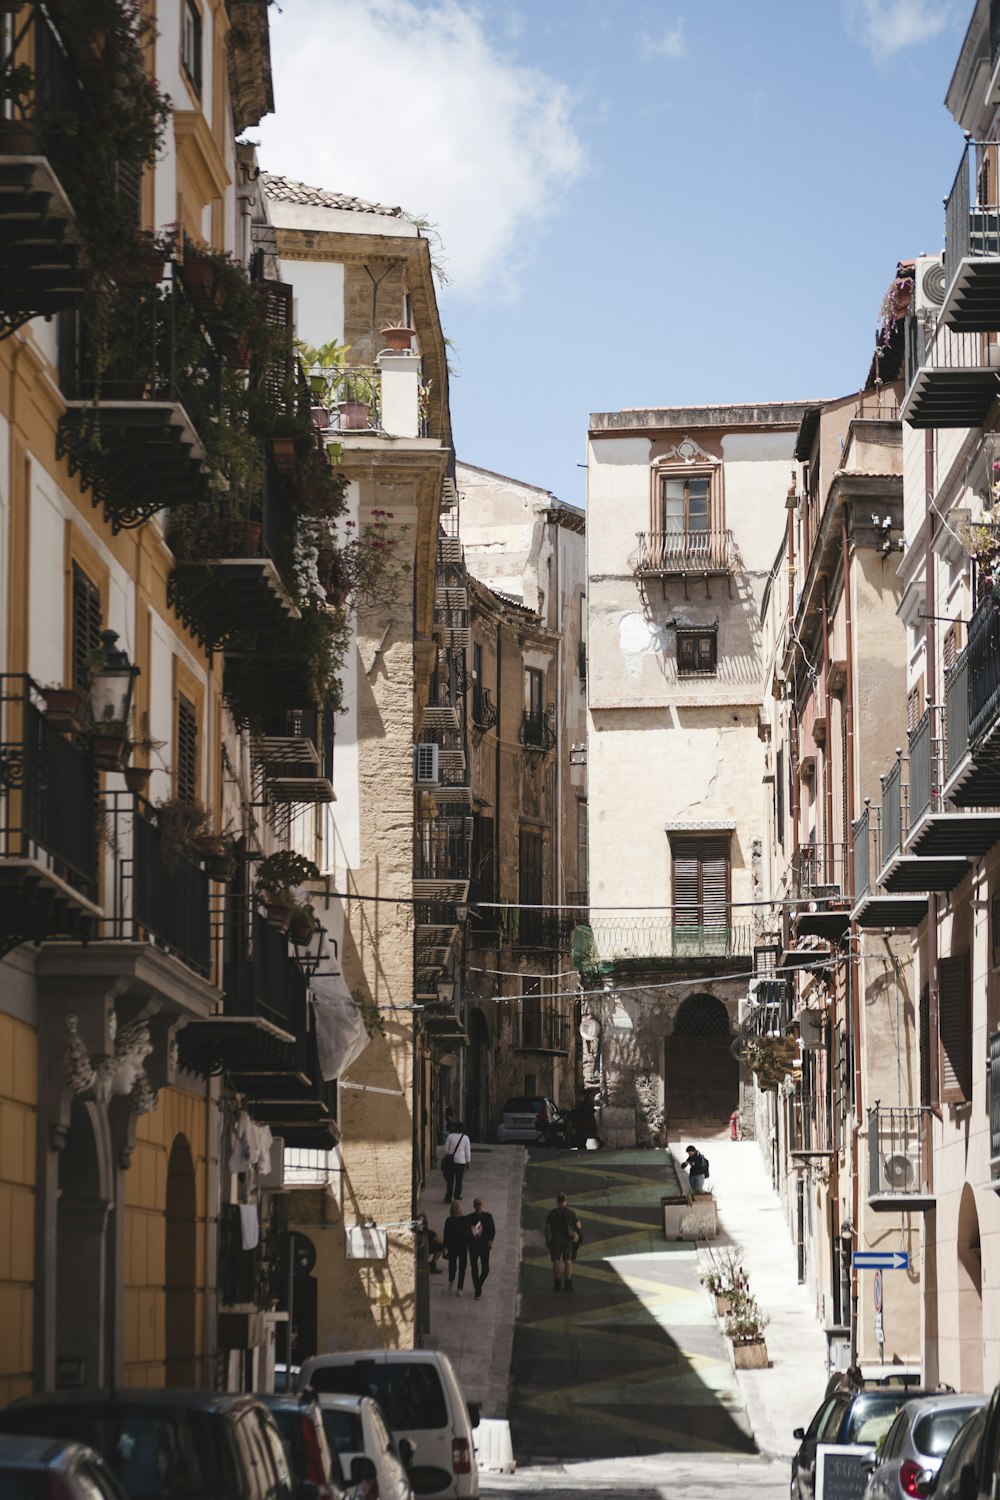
745, 1326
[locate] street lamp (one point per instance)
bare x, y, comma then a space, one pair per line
111, 685
446, 990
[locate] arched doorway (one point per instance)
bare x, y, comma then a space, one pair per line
181, 1275
477, 1082
969, 1283
83, 1250
701, 1077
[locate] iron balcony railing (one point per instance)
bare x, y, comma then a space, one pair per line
819, 869
984, 668
893, 817
685, 552
972, 208
442, 849
48, 790
900, 1157
809, 1127
604, 942
159, 893
862, 840
537, 732
271, 984
254, 1277
994, 33
549, 929
53, 89
542, 1030
484, 714
770, 1007
926, 758
957, 712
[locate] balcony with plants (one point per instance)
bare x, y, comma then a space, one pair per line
82, 119
972, 243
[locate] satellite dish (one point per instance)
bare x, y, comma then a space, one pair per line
590, 1028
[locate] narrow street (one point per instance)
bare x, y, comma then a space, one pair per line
627, 1386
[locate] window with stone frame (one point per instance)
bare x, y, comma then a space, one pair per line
697, 652
187, 750
685, 503
192, 45
955, 1029
701, 875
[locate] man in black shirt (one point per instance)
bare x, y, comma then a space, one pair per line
482, 1231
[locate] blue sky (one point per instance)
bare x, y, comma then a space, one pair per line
638, 203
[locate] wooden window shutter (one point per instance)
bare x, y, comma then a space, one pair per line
715, 882
187, 750
687, 884
86, 625
278, 316
955, 1029
924, 1043
701, 880
915, 706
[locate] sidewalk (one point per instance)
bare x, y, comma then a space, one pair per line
478, 1336
750, 1215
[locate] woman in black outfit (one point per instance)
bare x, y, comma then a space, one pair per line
456, 1245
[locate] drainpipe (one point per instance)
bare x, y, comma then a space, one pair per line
854, 965
931, 676
827, 777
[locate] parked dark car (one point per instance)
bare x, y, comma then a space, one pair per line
964, 1451
858, 1417
315, 1467
915, 1445
167, 1445
978, 1478
44, 1468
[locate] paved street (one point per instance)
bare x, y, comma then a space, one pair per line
627, 1387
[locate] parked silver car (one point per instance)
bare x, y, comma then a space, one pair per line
915, 1445
38, 1466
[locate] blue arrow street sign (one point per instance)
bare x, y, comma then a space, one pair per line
881, 1260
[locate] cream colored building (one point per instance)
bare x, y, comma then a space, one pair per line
685, 509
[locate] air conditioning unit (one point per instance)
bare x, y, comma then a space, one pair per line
812, 1024
425, 763
899, 1172
929, 285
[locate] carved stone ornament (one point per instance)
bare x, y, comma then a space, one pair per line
133, 1045
687, 451
80, 1074
144, 1096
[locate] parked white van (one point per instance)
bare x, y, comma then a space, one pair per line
418, 1391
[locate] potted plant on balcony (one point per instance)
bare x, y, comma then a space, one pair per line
397, 338
355, 398
182, 823
302, 925
279, 874
67, 708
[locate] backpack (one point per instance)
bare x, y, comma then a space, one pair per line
702, 1169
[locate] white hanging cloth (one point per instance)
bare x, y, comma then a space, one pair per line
341, 1036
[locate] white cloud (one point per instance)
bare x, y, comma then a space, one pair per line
887, 26
669, 43
409, 102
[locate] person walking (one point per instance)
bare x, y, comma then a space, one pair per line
456, 1246
697, 1169
563, 1235
482, 1232
457, 1155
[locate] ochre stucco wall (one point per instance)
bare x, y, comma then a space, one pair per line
18, 1083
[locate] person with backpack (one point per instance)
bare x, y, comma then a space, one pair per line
457, 1154
563, 1235
482, 1231
697, 1169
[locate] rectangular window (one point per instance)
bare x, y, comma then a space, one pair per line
696, 653
86, 626
187, 750
915, 706
531, 1011
529, 884
533, 730
924, 1044
191, 40
779, 794
684, 503
955, 1018
582, 847
700, 880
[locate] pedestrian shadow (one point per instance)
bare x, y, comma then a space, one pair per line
632, 1362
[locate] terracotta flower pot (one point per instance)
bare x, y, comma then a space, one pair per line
246, 538
221, 867
66, 708
398, 339
284, 454
110, 751
355, 416
278, 914
137, 778
301, 927
201, 283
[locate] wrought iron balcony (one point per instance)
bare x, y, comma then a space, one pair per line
48, 823
818, 870
39, 255
451, 616
135, 416
542, 1029
900, 1160
951, 376
606, 944
769, 1011
972, 242
993, 1099
537, 732
250, 1278
484, 714
161, 894
231, 576
442, 859
984, 672
265, 1041
668, 553
543, 928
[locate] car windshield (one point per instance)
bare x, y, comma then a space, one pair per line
171, 1454
410, 1394
343, 1428
933, 1434
872, 1416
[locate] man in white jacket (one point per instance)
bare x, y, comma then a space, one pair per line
457, 1155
